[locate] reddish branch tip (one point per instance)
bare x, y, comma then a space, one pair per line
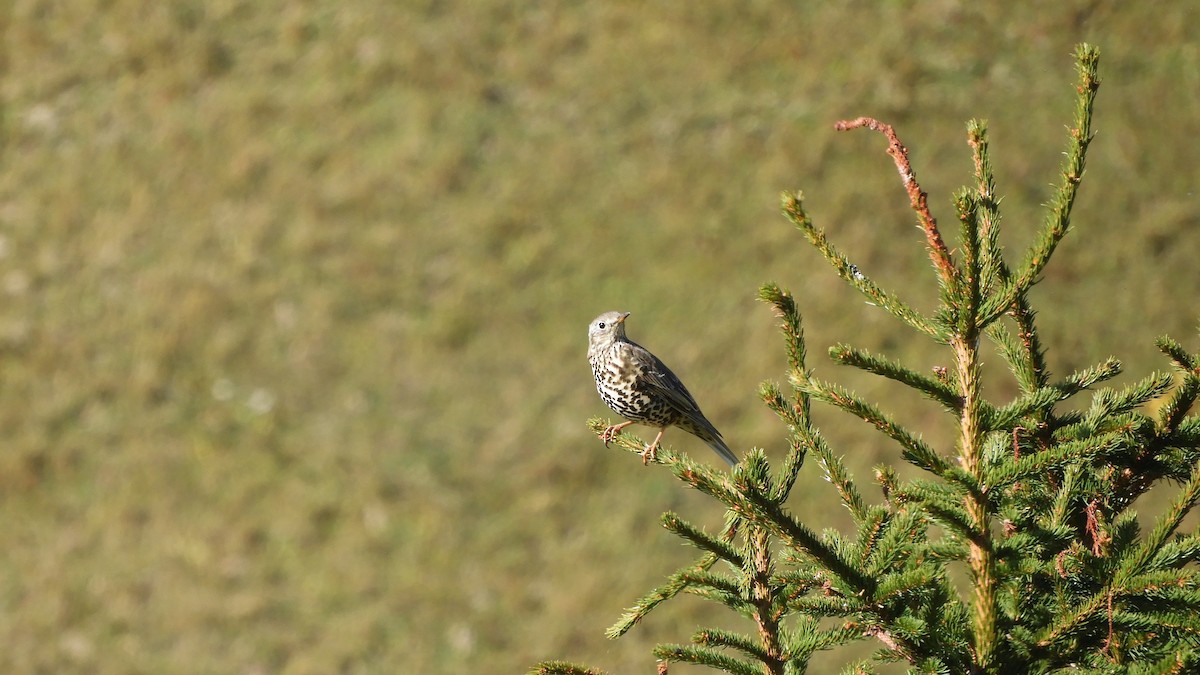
868, 122
938, 251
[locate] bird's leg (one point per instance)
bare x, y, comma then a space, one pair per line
611, 432
651, 451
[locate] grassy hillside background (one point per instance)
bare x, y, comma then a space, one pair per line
294, 294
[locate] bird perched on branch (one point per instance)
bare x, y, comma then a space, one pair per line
642, 389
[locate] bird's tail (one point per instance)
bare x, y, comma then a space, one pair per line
718, 446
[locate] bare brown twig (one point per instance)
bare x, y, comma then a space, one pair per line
919, 200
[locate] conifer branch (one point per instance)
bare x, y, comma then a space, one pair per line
1025, 356
885, 541
896, 648
715, 637
897, 587
803, 436
1177, 663
675, 584
1178, 552
1071, 622
1061, 511
966, 305
1092, 376
746, 500
980, 555
1061, 455
1181, 626
702, 540
1186, 435
772, 396
1174, 411
935, 389
1043, 398
918, 200
793, 208
915, 450
784, 306
723, 590
940, 508
1022, 355
1040, 400
946, 550
709, 584
705, 657
1166, 526
991, 260
830, 605
1178, 355
1113, 409
871, 528
765, 512
1160, 590
839, 477
861, 667
563, 668
1110, 403
1059, 218
803, 644
759, 568
664, 455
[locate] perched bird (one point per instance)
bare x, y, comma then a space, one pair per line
640, 388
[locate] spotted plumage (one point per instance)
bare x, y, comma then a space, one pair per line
640, 388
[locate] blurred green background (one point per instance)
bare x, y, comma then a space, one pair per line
294, 294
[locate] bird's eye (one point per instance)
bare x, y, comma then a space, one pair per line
601, 325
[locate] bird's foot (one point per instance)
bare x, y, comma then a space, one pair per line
610, 432
651, 452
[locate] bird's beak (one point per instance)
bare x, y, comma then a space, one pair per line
624, 315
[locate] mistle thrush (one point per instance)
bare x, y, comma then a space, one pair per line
640, 388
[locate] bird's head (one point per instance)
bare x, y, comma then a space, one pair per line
607, 328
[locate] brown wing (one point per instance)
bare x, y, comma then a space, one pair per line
667, 386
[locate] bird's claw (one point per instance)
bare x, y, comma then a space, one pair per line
650, 454
610, 433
